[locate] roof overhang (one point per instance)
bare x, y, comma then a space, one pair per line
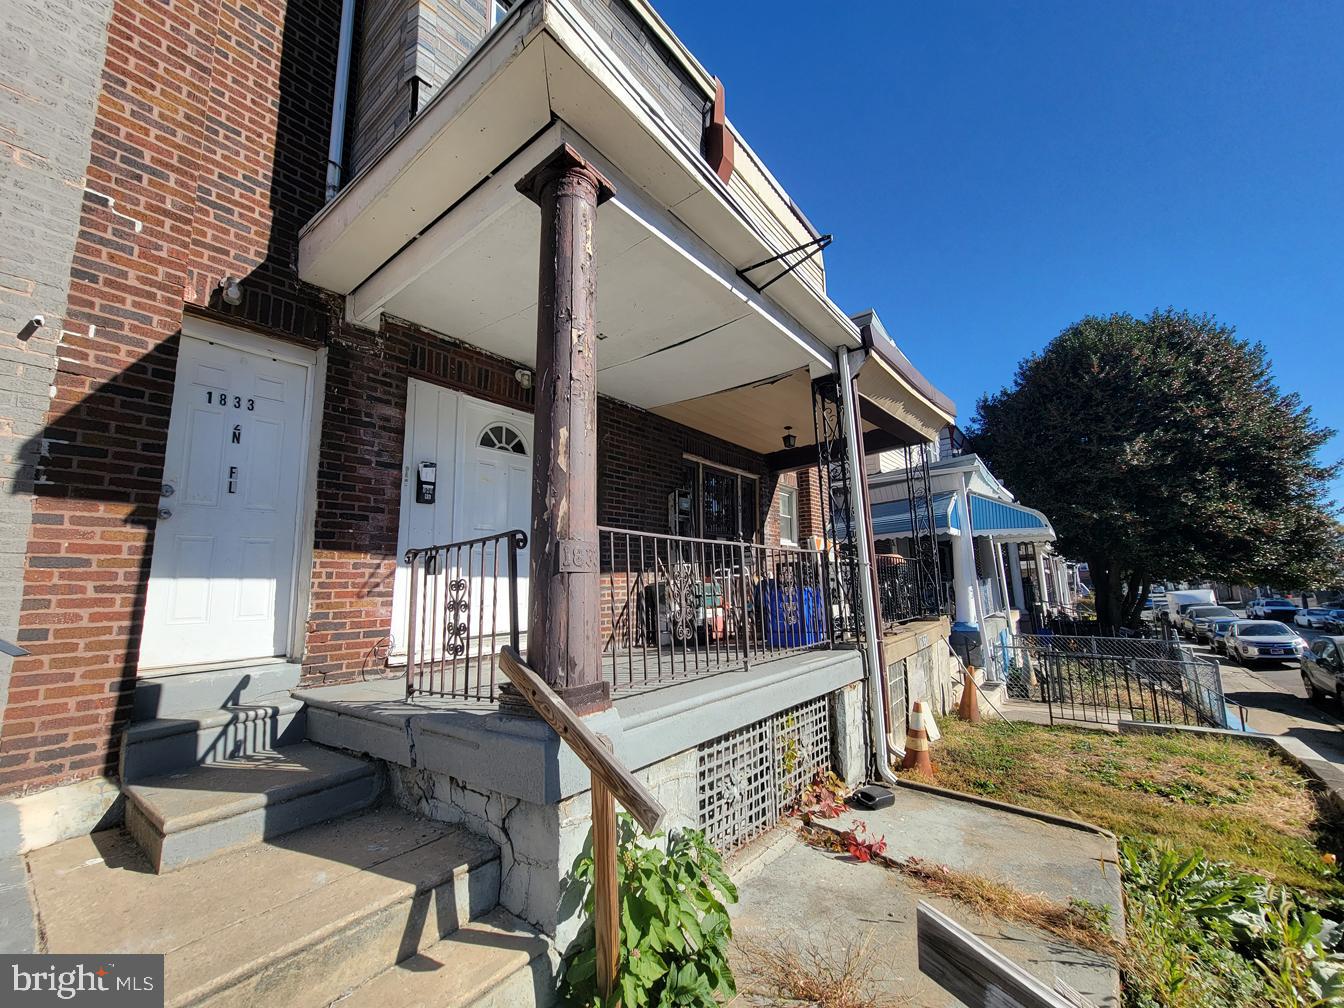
433, 231
894, 396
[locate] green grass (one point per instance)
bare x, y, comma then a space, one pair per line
1229, 800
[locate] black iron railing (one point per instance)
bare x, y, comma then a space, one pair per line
673, 607
1104, 680
463, 605
670, 608
899, 596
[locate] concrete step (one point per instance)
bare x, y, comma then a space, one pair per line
174, 693
196, 813
163, 745
495, 962
298, 921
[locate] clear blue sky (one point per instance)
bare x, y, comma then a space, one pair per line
992, 171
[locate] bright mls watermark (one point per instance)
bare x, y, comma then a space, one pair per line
112, 981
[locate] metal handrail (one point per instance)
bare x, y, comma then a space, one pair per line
450, 589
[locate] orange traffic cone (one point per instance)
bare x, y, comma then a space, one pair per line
917, 742
969, 708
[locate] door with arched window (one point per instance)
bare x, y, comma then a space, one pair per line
482, 455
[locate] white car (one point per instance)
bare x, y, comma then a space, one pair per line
1271, 608
1263, 640
1312, 619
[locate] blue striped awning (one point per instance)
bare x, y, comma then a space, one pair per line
989, 517
892, 518
1002, 519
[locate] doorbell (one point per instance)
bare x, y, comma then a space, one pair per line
426, 477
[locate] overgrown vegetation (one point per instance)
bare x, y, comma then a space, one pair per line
1228, 855
674, 926
1202, 934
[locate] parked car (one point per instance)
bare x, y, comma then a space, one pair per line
1312, 619
1271, 607
1179, 601
1197, 621
1256, 640
1218, 635
1334, 621
1323, 669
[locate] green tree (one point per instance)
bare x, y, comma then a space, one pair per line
1162, 449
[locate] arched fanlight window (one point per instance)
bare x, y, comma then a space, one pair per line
502, 437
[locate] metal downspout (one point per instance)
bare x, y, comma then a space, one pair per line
876, 702
340, 99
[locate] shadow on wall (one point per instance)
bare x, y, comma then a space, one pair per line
102, 452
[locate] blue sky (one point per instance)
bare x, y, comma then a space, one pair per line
994, 171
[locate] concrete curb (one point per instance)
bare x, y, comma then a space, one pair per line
1329, 776
1047, 817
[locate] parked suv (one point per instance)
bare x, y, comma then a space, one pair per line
1271, 608
1323, 669
1259, 640
1197, 621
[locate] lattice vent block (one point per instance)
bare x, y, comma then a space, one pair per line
747, 778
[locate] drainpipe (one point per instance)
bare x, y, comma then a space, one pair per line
876, 702
339, 100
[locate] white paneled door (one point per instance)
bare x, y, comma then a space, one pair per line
482, 454
221, 582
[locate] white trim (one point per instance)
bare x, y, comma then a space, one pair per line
784, 490
689, 457
305, 509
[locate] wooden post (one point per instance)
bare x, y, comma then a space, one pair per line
606, 895
563, 637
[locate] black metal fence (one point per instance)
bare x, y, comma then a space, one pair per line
674, 606
671, 607
1104, 680
463, 601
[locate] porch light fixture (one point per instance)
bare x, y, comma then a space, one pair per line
230, 291
524, 377
790, 438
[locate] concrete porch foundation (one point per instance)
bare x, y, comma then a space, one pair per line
508, 778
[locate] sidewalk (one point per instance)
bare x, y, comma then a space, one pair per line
810, 898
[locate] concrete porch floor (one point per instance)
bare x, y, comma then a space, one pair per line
812, 898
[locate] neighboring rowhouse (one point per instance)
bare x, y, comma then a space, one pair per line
361, 291
996, 562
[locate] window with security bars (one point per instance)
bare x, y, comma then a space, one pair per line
749, 777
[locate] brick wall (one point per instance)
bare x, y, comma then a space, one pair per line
359, 482
640, 456
49, 82
210, 138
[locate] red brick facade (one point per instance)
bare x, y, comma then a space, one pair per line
210, 148
640, 456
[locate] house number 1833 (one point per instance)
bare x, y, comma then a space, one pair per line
214, 397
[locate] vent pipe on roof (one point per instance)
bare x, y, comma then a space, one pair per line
340, 99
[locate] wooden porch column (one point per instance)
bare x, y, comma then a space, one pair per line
563, 642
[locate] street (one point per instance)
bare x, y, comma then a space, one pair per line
1276, 703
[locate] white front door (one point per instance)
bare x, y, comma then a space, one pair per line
482, 455
221, 581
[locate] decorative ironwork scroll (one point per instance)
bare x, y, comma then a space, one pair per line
840, 528
926, 575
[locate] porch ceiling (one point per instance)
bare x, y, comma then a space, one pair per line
434, 232
667, 330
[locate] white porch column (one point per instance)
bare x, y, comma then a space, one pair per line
997, 547
963, 563
1042, 587
1015, 574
